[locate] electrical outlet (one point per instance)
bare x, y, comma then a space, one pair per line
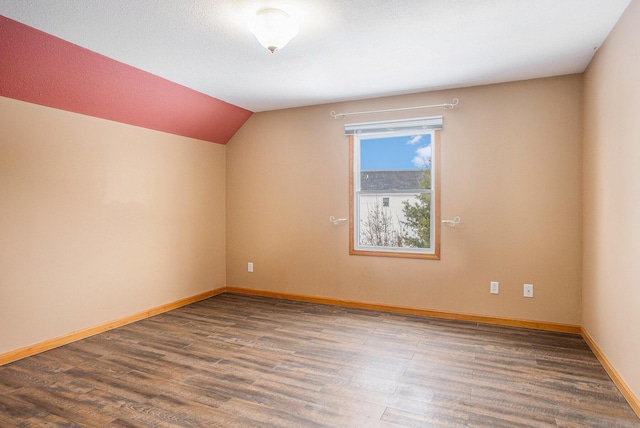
528, 290
494, 287
249, 267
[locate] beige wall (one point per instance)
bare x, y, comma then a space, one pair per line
611, 281
100, 220
511, 169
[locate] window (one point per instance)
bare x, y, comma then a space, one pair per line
394, 181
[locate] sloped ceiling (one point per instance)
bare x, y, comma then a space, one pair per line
346, 50
42, 69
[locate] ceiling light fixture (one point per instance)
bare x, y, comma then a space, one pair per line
273, 28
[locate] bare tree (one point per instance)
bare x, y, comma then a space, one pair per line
378, 229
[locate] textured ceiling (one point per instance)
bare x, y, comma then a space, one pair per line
346, 49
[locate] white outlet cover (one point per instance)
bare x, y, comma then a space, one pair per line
249, 267
528, 290
494, 288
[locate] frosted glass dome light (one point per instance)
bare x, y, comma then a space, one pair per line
273, 28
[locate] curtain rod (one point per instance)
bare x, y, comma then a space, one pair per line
449, 106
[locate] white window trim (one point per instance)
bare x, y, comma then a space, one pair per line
433, 252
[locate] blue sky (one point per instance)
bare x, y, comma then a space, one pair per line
395, 153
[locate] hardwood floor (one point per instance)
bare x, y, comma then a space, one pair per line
235, 360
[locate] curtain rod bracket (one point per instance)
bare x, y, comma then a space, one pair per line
446, 106
334, 220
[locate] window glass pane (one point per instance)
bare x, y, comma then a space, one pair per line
395, 163
394, 197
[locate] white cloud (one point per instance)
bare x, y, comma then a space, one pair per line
423, 156
415, 140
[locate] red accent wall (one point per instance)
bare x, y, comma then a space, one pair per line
39, 68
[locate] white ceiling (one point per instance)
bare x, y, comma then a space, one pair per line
346, 49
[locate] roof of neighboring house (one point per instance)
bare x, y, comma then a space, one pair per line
390, 181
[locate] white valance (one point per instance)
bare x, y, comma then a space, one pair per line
408, 125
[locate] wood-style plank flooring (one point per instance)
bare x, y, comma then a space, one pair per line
235, 360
